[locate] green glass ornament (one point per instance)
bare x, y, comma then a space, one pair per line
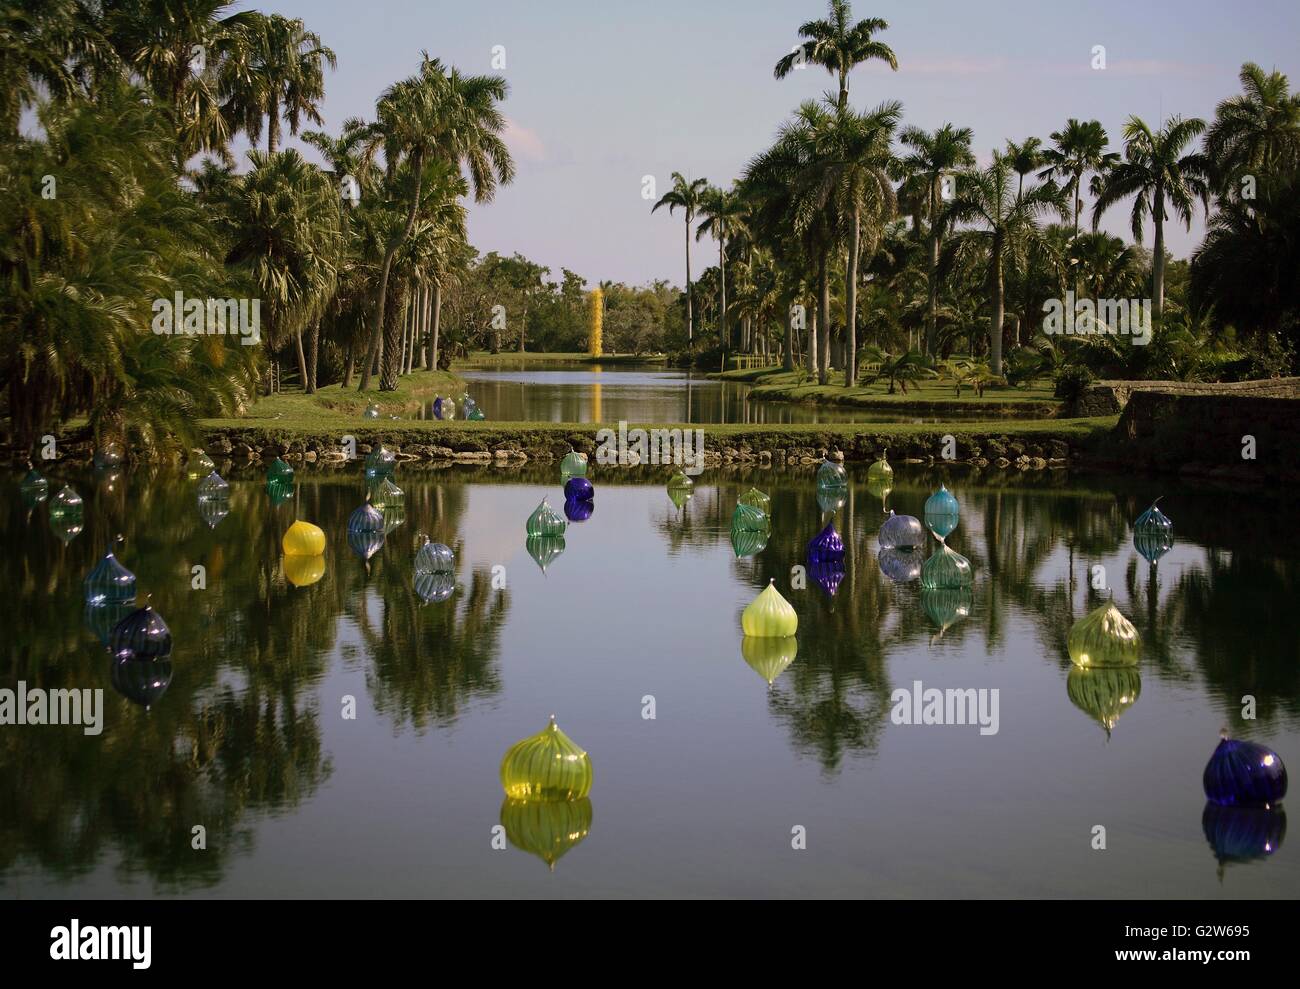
747, 518
199, 465
574, 464
66, 506
831, 476
880, 470
1103, 694
680, 489
757, 499
946, 569
546, 766
545, 521
1104, 638
544, 550
278, 473
546, 828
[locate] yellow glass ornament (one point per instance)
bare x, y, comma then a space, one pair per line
303, 571
546, 828
547, 766
769, 657
1104, 637
1103, 694
303, 539
769, 615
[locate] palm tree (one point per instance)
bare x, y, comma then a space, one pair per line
438, 114
1080, 149
933, 157
1155, 171
1255, 133
686, 195
723, 214
1002, 215
837, 45
276, 65
1025, 157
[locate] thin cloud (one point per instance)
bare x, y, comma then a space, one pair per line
523, 142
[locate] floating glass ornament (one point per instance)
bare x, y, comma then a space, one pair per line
394, 516
213, 509
141, 635
279, 491
67, 528
1242, 834
574, 464
547, 766
578, 511
66, 504
476, 415
1103, 693
747, 518
107, 456
468, 405
946, 606
749, 542
941, 512
1244, 774
946, 568
101, 619
1153, 533
366, 543
901, 532
680, 489
141, 681
901, 565
279, 473
380, 462
831, 499
199, 465
769, 615
444, 408
34, 488
1104, 637
831, 476
769, 657
546, 828
433, 558
213, 486
303, 539
435, 587
757, 499
544, 550
880, 471
880, 488
826, 546
579, 489
303, 571
372, 412
109, 582
827, 575
385, 494
544, 521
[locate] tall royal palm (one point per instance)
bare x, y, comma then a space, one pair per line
436, 114
685, 195
1157, 173
837, 45
932, 158
723, 214
1001, 215
1256, 133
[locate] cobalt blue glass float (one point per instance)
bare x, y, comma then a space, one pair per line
826, 546
941, 512
831, 476
367, 518
1244, 774
109, 582
901, 565
444, 408
827, 575
380, 462
141, 681
141, 635
901, 532
544, 550
365, 543
946, 569
576, 510
1243, 834
579, 489
1153, 533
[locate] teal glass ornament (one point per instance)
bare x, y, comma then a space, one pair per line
946, 569
380, 462
545, 521
33, 488
279, 473
1153, 533
831, 499
831, 476
279, 491
946, 606
101, 619
941, 512
109, 582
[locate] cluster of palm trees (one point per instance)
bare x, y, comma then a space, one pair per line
124, 189
849, 235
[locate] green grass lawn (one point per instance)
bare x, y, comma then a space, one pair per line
336, 404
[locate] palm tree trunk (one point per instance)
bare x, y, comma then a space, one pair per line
690, 311
437, 319
851, 303
313, 352
347, 367
932, 283
999, 302
523, 328
811, 331
824, 330
302, 359
273, 126
425, 350
1158, 256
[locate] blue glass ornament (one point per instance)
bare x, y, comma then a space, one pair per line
1153, 533
941, 512
444, 408
901, 532
1244, 774
827, 575
578, 511
141, 635
579, 489
826, 546
109, 582
367, 518
1243, 834
900, 565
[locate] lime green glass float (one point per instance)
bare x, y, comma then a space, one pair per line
546, 828
303, 539
34, 488
946, 569
747, 518
109, 582
384, 493
769, 615
946, 606
66, 505
880, 488
279, 473
574, 464
1104, 638
941, 512
199, 465
380, 462
880, 471
757, 499
545, 521
1103, 693
769, 657
680, 489
1153, 533
546, 766
831, 476
544, 550
749, 542
372, 412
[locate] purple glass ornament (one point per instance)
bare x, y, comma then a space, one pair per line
1244, 774
579, 489
141, 635
827, 576
578, 511
826, 546
1241, 834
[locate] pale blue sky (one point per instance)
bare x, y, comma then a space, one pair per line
603, 93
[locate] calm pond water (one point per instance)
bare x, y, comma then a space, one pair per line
649, 393
250, 741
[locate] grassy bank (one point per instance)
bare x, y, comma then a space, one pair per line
334, 403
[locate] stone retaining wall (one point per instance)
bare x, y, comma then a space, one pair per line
1108, 398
